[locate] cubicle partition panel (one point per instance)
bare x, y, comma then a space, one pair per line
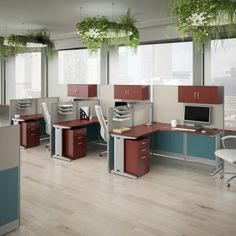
142, 113
22, 107
166, 107
9, 178
48, 101
4, 114
106, 98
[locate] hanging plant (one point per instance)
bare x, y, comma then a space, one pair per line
204, 19
16, 44
99, 32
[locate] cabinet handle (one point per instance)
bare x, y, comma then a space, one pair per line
80, 137
128, 91
195, 95
32, 134
198, 95
125, 92
143, 157
144, 150
32, 129
143, 143
80, 143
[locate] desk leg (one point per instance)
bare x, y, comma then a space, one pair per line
58, 145
219, 162
119, 158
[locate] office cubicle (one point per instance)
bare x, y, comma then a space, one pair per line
9, 178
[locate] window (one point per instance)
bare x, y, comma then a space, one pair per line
223, 72
78, 66
28, 75
163, 64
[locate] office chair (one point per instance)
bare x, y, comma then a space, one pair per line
228, 155
47, 119
103, 125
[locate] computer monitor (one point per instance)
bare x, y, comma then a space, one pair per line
118, 104
198, 115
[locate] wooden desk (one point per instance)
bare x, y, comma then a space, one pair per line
27, 118
58, 135
75, 123
143, 130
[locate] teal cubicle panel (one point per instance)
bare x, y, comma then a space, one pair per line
201, 146
168, 142
9, 196
93, 132
111, 153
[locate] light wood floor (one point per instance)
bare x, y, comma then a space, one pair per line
80, 198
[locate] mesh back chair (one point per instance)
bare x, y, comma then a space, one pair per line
47, 119
103, 125
228, 155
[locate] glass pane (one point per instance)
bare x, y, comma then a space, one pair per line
163, 64
28, 75
223, 72
78, 67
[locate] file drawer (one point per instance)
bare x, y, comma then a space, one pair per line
75, 143
30, 134
137, 156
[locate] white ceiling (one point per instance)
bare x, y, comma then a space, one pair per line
60, 16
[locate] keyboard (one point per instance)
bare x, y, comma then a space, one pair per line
184, 129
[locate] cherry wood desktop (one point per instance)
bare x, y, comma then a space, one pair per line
76, 123
142, 130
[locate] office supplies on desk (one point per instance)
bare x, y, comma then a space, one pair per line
120, 130
174, 123
84, 112
65, 108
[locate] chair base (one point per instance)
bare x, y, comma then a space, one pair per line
102, 153
228, 180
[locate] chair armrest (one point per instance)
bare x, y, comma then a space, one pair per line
227, 137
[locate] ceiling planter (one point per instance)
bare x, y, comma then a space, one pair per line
204, 19
99, 32
15, 44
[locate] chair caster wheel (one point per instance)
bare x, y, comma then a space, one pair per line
222, 176
228, 185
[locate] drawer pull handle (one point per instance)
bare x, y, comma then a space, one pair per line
80, 137
80, 143
32, 129
144, 150
32, 134
143, 143
143, 157
33, 124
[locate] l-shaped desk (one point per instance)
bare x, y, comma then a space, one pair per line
198, 146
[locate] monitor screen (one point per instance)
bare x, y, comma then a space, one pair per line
197, 114
117, 104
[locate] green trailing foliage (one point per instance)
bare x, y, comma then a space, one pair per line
99, 32
204, 19
18, 43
